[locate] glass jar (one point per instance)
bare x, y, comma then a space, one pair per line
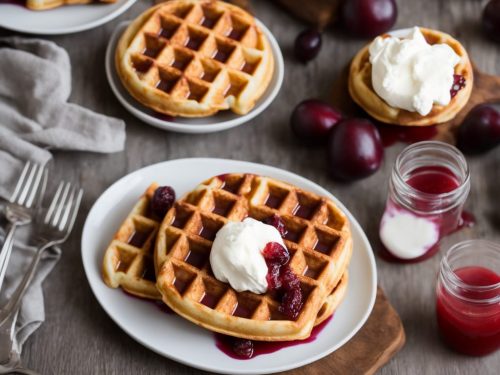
468, 297
427, 190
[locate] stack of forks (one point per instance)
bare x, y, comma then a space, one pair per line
50, 227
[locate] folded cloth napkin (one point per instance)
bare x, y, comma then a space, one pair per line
35, 84
31, 314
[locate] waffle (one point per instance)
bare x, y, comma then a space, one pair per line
128, 260
333, 300
194, 58
362, 92
49, 4
318, 238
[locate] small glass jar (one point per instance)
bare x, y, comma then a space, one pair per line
427, 190
468, 297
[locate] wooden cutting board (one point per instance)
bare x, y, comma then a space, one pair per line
372, 347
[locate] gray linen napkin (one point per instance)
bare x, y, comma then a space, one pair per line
32, 313
35, 84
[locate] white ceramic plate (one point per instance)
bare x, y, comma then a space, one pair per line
221, 121
182, 341
62, 20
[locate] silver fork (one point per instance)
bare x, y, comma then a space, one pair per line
53, 227
20, 209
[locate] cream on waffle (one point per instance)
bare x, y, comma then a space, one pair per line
128, 261
194, 58
49, 4
362, 92
318, 239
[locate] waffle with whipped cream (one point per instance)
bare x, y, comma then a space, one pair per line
362, 92
318, 238
194, 58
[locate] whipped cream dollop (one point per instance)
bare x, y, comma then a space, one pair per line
411, 74
236, 256
408, 236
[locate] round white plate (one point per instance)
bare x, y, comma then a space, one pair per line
182, 341
221, 121
63, 20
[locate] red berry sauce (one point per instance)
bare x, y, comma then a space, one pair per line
466, 326
228, 344
431, 180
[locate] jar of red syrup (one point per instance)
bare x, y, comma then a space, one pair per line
428, 187
468, 297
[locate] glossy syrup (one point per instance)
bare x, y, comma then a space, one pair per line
224, 343
468, 327
432, 180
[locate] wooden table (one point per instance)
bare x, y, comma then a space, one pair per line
78, 337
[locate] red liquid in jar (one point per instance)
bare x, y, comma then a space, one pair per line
431, 180
224, 344
468, 327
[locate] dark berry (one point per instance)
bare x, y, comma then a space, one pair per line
458, 84
289, 279
480, 130
307, 45
291, 303
273, 277
276, 222
243, 348
491, 20
369, 18
276, 254
312, 120
355, 149
163, 200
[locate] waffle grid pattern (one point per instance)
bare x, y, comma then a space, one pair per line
208, 55
318, 239
128, 260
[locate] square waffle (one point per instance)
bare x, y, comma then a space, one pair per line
128, 260
194, 58
49, 4
318, 239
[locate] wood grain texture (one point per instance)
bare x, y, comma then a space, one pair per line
79, 338
381, 337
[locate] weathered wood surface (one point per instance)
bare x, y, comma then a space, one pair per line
79, 338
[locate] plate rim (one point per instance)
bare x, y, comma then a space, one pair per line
272, 170
114, 82
73, 29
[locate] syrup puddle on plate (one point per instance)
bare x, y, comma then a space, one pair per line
225, 343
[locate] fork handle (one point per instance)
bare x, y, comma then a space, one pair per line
15, 301
5, 252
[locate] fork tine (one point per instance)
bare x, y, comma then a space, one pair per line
20, 182
67, 209
61, 204
53, 203
75, 207
36, 186
27, 185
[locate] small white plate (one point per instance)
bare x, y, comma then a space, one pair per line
182, 341
63, 20
221, 121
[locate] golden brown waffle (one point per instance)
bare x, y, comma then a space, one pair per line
128, 260
333, 300
49, 4
362, 92
194, 58
318, 239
